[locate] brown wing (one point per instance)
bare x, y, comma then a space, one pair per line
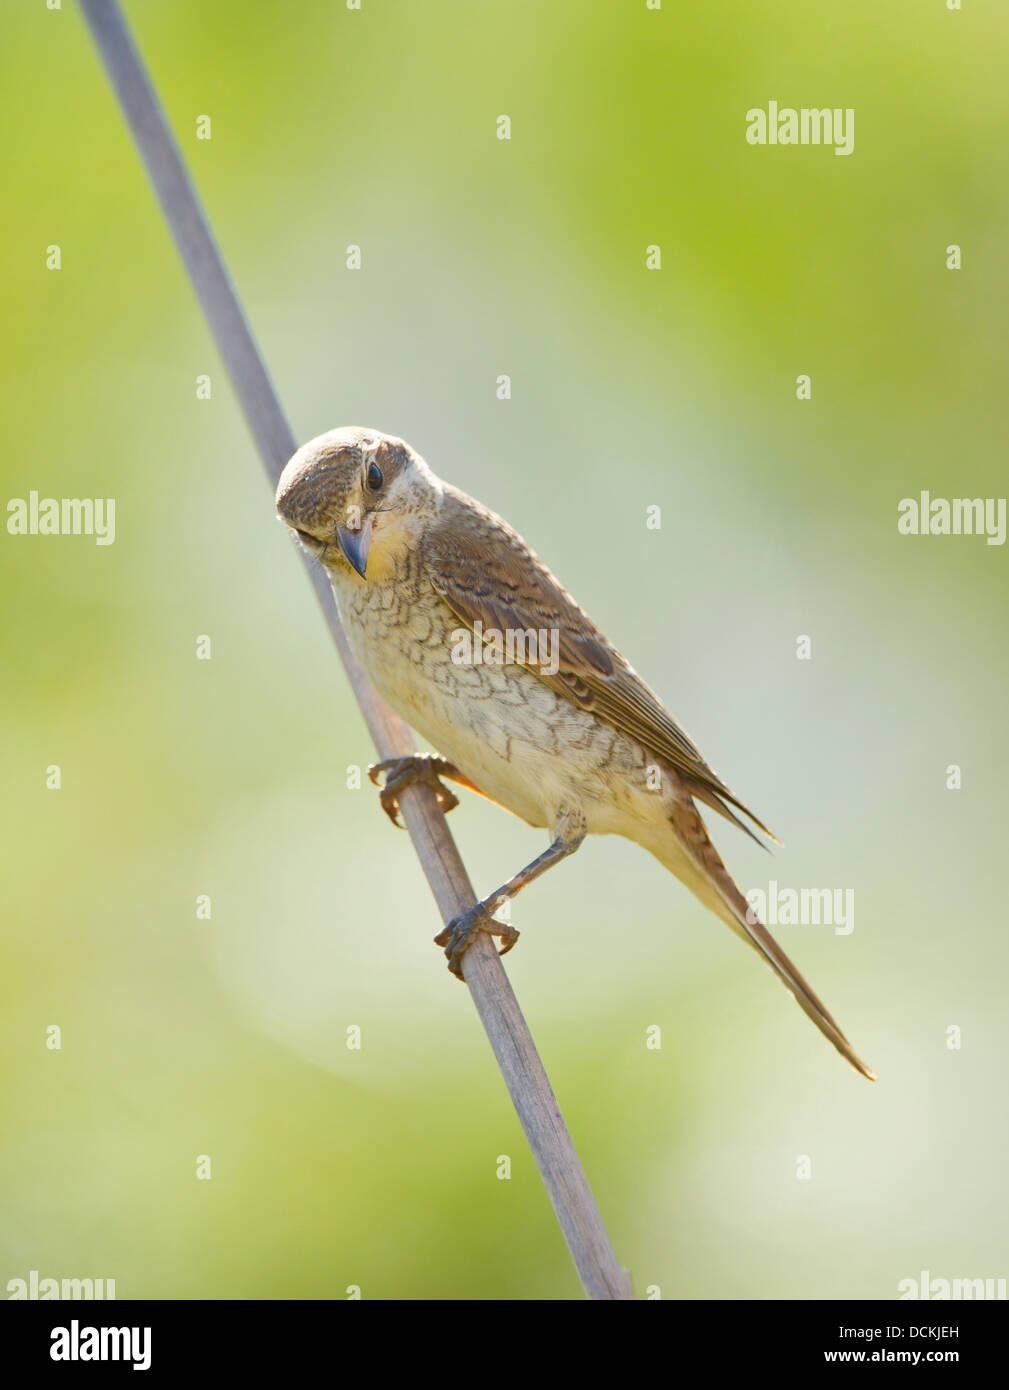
485, 572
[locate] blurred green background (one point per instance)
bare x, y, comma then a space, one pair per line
631, 388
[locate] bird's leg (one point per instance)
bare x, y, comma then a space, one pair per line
460, 933
425, 768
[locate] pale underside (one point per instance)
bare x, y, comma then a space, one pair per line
523, 744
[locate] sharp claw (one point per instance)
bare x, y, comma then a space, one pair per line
400, 773
458, 935
508, 940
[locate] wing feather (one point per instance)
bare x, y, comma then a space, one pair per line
486, 573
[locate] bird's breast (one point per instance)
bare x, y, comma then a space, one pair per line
521, 742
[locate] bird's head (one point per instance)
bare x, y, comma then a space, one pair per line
353, 497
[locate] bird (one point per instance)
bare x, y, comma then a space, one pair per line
465, 632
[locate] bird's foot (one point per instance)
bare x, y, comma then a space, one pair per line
461, 932
401, 773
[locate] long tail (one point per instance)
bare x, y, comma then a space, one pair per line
694, 860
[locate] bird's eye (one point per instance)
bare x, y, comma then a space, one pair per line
374, 477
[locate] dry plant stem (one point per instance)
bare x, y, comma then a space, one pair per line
562, 1173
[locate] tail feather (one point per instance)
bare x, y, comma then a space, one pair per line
713, 884
716, 803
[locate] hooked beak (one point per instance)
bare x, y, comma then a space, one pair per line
354, 544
